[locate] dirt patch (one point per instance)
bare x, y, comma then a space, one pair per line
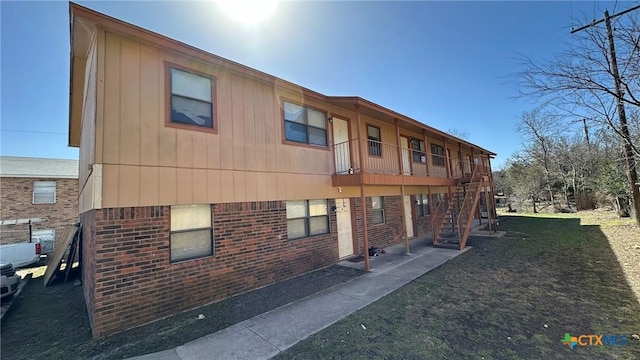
52, 322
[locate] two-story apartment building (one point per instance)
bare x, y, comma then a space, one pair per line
37, 188
203, 178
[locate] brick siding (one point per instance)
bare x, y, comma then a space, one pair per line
422, 223
129, 280
17, 203
380, 235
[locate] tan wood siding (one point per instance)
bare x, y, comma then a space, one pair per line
86, 156
147, 163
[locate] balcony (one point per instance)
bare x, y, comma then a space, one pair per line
388, 164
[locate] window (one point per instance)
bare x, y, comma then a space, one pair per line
422, 205
436, 199
46, 238
377, 204
191, 99
437, 155
44, 192
191, 232
375, 145
418, 151
305, 125
307, 218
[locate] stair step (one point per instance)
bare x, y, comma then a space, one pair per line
448, 246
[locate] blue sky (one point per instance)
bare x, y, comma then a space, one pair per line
442, 63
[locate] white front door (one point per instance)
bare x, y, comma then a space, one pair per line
341, 145
409, 220
345, 235
406, 163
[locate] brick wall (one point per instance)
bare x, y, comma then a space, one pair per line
380, 235
422, 223
88, 260
134, 281
17, 203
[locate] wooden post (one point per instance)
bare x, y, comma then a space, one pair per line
472, 164
363, 204
426, 156
406, 222
492, 192
400, 163
365, 235
460, 160
444, 155
486, 201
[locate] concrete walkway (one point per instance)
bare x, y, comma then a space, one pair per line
268, 334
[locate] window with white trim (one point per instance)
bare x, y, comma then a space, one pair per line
437, 155
375, 140
44, 192
307, 218
191, 232
304, 125
422, 205
377, 204
419, 155
191, 99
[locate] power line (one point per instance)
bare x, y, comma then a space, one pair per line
604, 19
34, 132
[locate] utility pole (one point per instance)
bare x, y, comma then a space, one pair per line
586, 130
630, 162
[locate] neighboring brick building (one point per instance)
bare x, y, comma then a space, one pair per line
37, 188
203, 178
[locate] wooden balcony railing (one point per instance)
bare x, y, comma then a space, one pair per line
383, 158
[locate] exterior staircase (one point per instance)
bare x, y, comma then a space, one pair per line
452, 220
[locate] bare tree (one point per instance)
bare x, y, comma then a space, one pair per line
525, 178
580, 83
462, 134
538, 130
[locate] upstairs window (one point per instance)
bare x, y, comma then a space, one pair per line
437, 155
422, 205
44, 192
419, 155
375, 144
191, 99
305, 125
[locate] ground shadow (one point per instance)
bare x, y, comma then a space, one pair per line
513, 297
52, 322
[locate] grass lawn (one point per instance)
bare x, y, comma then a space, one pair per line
509, 298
